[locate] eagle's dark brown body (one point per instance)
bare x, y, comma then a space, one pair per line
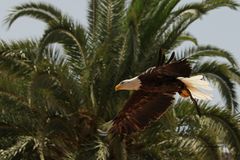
159, 85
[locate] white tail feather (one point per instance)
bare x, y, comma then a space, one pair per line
198, 87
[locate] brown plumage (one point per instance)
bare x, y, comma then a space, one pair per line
139, 111
152, 98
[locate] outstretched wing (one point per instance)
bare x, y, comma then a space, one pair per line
180, 68
139, 111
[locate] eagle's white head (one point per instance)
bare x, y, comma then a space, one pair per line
129, 84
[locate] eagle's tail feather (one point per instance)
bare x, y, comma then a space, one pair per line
199, 88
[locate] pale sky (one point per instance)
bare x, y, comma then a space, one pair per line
220, 28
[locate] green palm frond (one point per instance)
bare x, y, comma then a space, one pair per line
12, 115
205, 137
229, 123
218, 74
48, 87
17, 57
172, 19
14, 93
23, 144
102, 153
215, 120
56, 91
177, 28
7, 130
21, 50
72, 39
210, 5
53, 78
41, 11
111, 15
234, 74
187, 37
93, 24
167, 148
131, 39
210, 148
198, 52
6, 96
190, 7
175, 24
156, 20
14, 67
105, 22
166, 36
135, 11
53, 54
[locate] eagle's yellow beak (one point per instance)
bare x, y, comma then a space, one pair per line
118, 87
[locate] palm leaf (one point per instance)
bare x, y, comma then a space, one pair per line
207, 51
41, 11
218, 73
217, 120
187, 37
73, 39
229, 123
22, 145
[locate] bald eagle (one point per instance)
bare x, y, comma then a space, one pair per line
154, 92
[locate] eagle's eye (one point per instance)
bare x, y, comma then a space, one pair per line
122, 82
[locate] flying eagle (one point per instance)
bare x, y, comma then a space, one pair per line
154, 93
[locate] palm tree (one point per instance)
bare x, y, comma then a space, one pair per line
61, 84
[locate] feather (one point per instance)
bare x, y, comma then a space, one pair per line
141, 109
161, 58
152, 99
179, 68
199, 88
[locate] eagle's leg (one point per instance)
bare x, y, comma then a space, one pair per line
195, 103
186, 93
